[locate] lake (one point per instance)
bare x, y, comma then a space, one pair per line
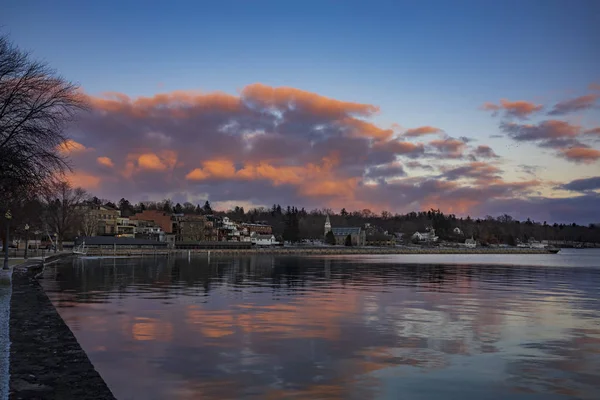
360, 327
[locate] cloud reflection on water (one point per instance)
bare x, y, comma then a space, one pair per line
325, 328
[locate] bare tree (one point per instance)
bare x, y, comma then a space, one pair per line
62, 215
35, 105
88, 221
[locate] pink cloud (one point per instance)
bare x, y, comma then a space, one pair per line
270, 145
519, 108
421, 131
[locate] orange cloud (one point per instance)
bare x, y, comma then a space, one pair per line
312, 179
519, 108
174, 102
70, 146
283, 97
367, 129
421, 131
149, 161
577, 104
449, 147
594, 86
107, 162
83, 179
593, 131
400, 147
584, 155
331, 188
278, 175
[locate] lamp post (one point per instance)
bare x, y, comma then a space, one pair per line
8, 217
26, 240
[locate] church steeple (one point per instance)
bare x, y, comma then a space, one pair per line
327, 225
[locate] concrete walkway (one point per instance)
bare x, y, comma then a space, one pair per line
5, 294
5, 297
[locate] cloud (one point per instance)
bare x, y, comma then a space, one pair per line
594, 86
520, 108
550, 133
421, 131
418, 165
579, 209
484, 151
572, 105
269, 145
448, 147
84, 180
582, 185
584, 155
287, 98
530, 169
481, 172
592, 131
107, 162
70, 146
391, 170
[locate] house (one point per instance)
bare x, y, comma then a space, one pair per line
159, 218
380, 239
357, 234
98, 219
263, 229
262, 240
149, 230
470, 243
428, 236
457, 231
191, 227
126, 227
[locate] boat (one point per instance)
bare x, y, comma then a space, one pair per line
553, 250
80, 250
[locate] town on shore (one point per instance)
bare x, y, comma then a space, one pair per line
94, 223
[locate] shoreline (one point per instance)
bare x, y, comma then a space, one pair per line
46, 361
308, 251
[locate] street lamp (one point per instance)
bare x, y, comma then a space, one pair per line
26, 240
8, 217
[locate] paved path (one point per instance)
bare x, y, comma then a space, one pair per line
46, 362
5, 298
5, 293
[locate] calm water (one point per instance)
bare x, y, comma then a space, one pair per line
389, 327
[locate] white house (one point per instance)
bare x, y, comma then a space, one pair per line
470, 243
262, 240
428, 236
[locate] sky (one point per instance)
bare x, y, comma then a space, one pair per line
472, 107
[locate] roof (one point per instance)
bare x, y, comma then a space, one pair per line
119, 241
346, 231
263, 237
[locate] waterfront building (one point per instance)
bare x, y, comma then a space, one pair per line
262, 240
159, 218
357, 234
428, 236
